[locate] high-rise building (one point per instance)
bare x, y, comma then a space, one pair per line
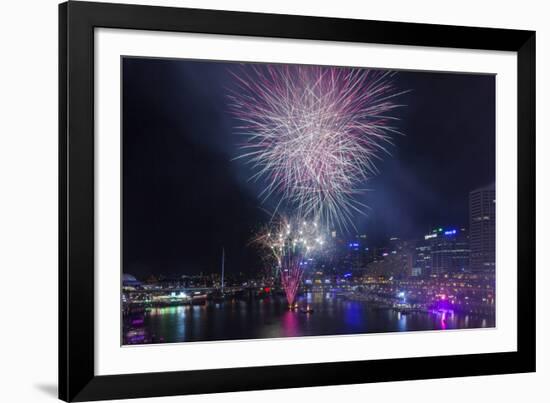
423, 259
482, 228
357, 253
444, 250
450, 251
396, 260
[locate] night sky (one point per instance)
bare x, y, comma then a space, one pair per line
184, 198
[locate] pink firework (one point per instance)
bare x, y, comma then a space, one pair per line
313, 134
291, 242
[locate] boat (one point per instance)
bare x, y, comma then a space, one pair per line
198, 298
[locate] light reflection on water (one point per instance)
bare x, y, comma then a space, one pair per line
270, 318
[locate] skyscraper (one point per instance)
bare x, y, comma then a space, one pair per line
449, 250
482, 228
423, 259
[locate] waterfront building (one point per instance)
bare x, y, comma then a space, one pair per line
395, 261
422, 264
449, 250
356, 255
129, 281
482, 228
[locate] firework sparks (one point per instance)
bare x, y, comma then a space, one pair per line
291, 242
313, 134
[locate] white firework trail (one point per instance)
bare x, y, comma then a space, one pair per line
313, 134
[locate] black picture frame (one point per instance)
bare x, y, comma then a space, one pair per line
77, 379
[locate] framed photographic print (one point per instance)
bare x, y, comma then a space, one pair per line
256, 201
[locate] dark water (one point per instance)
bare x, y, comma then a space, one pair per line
270, 317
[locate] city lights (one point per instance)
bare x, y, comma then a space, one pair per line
272, 200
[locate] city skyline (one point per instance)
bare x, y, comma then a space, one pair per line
273, 200
158, 223
416, 242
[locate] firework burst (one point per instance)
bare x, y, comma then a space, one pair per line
291, 242
313, 134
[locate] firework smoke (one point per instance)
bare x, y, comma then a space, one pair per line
313, 134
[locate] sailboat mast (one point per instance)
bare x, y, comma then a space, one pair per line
223, 265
